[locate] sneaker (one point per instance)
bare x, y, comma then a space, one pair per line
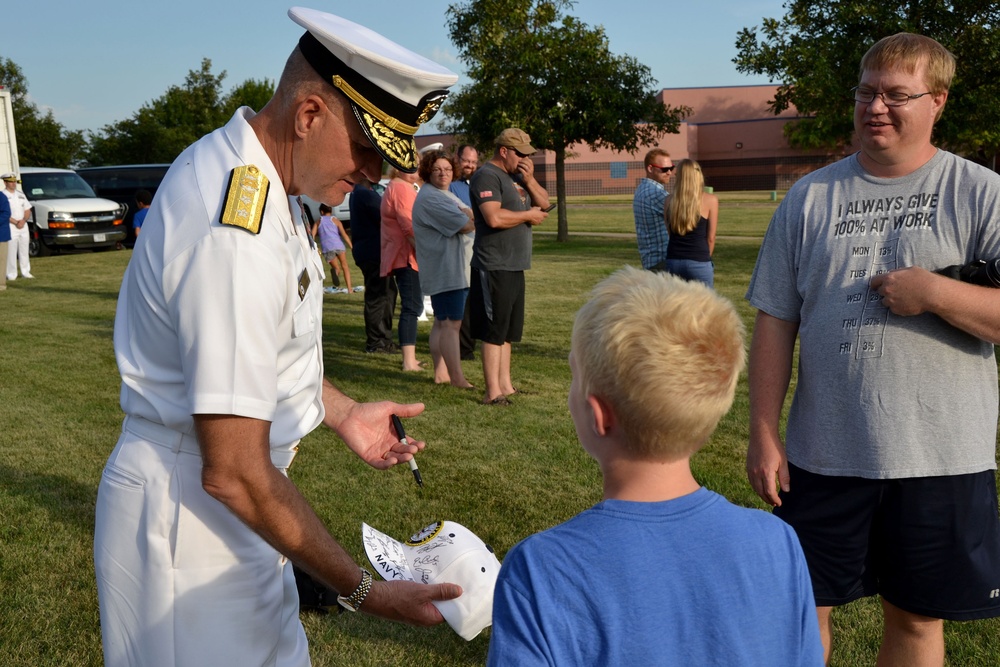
423, 318
10, 278
27, 275
359, 288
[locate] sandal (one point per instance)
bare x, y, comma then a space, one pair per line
499, 400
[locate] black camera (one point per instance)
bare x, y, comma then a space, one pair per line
980, 272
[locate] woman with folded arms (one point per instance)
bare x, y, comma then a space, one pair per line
442, 225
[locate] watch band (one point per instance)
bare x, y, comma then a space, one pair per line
353, 601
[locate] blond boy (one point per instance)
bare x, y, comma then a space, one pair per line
662, 571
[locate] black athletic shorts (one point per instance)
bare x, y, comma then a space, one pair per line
928, 545
496, 306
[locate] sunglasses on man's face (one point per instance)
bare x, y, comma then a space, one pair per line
663, 170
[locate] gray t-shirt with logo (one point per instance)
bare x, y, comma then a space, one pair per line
500, 249
879, 395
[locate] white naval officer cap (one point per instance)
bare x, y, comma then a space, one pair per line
392, 90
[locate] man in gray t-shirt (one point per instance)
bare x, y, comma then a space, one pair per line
887, 471
507, 202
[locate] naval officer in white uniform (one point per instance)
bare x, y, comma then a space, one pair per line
218, 341
20, 234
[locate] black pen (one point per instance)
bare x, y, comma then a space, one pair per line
398, 425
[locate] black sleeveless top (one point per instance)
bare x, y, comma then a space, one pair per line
693, 245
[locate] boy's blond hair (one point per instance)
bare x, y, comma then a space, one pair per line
665, 354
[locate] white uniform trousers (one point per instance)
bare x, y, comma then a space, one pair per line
180, 579
18, 250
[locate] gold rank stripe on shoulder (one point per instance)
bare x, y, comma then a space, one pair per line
245, 198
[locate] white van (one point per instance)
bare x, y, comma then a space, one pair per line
67, 214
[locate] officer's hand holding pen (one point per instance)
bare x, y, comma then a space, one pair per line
398, 425
366, 428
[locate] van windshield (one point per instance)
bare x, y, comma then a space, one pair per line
55, 185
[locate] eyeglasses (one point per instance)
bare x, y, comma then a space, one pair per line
892, 98
663, 170
440, 170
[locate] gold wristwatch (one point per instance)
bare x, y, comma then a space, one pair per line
353, 601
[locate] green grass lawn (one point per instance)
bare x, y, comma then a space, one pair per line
740, 214
503, 472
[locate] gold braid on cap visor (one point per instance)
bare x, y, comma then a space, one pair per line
371, 109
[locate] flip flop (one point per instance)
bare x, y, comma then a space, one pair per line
499, 400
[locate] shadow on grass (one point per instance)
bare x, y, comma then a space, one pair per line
64, 499
82, 290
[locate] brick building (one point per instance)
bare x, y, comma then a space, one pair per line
739, 143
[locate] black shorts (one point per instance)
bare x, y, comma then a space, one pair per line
496, 306
928, 545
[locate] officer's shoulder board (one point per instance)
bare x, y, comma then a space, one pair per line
246, 195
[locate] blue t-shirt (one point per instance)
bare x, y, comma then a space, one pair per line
690, 581
5, 214
139, 218
461, 190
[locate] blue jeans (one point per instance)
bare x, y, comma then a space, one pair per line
411, 302
689, 269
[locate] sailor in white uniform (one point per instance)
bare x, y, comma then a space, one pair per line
20, 234
218, 341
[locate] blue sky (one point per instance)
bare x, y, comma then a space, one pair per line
97, 62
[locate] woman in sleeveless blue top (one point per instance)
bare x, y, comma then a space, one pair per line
691, 217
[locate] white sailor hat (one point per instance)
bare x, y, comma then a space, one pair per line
392, 90
443, 552
9, 176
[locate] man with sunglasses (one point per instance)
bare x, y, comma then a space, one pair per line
507, 203
647, 207
887, 472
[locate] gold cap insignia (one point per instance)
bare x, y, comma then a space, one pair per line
399, 149
245, 198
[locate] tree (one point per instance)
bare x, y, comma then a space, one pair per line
548, 73
251, 93
41, 141
161, 129
816, 48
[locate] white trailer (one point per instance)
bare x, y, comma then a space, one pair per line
8, 142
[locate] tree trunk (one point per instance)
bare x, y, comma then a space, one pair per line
563, 233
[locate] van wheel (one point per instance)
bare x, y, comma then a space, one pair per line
36, 247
